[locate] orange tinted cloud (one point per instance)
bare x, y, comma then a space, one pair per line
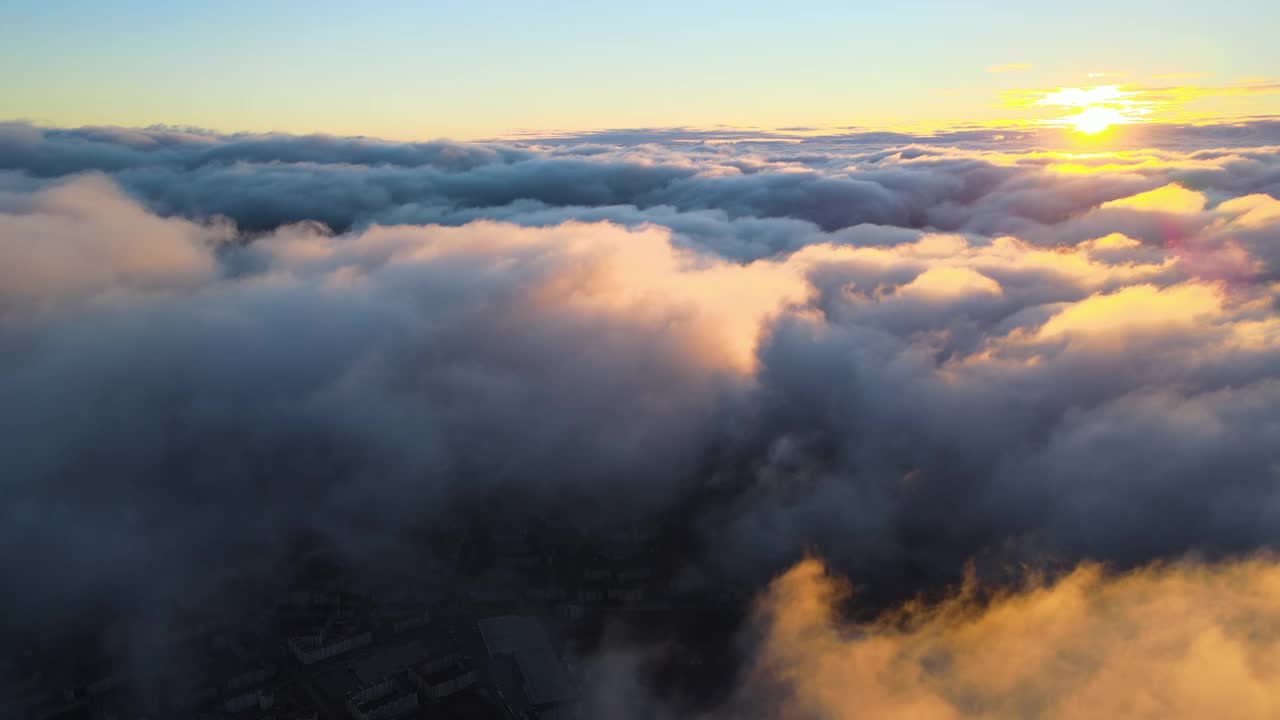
1171, 641
1138, 307
1252, 211
1172, 198
950, 282
630, 275
87, 237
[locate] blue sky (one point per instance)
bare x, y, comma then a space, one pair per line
403, 69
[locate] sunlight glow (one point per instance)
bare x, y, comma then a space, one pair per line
1085, 97
1094, 120
1098, 107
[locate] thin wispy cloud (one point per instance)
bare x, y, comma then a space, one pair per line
1098, 107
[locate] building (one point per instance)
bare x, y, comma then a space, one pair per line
526, 661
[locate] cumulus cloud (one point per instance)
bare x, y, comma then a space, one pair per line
1170, 198
956, 182
1180, 640
376, 369
907, 353
86, 238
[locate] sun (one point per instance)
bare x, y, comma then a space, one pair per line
1095, 108
1093, 120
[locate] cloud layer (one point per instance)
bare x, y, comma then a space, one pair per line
901, 353
1170, 641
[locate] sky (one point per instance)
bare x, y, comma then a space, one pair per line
935, 345
419, 70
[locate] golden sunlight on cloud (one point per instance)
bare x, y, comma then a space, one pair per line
1114, 241
1252, 211
718, 307
1095, 108
943, 283
951, 261
1171, 198
1085, 97
1179, 641
1136, 308
1118, 249
1243, 88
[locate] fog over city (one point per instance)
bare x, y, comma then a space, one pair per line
954, 425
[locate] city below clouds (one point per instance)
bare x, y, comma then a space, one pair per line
983, 423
